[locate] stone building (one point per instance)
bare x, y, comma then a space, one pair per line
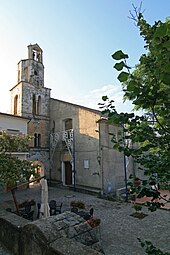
72, 141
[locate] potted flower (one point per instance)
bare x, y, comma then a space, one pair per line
94, 222
137, 181
26, 203
77, 204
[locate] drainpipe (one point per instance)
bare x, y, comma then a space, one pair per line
125, 170
74, 161
101, 160
50, 159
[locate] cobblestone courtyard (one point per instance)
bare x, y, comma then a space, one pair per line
119, 230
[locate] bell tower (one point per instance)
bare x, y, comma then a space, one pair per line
29, 98
32, 70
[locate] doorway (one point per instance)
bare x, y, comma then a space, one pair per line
68, 173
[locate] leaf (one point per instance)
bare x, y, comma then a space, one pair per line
119, 55
165, 78
161, 31
131, 85
119, 66
166, 45
123, 76
104, 98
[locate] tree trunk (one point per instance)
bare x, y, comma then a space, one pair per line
15, 201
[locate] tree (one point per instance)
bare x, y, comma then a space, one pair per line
12, 169
148, 87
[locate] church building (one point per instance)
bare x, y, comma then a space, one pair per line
72, 142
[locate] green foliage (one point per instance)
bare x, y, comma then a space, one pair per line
148, 87
137, 207
13, 143
13, 169
151, 249
123, 76
153, 206
119, 66
118, 55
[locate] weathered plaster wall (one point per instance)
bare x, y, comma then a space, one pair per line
111, 160
17, 124
16, 91
86, 141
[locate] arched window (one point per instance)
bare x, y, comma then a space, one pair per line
33, 104
68, 124
35, 140
18, 76
39, 140
39, 105
15, 105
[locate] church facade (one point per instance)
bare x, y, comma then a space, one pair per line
71, 141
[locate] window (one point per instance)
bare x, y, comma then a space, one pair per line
86, 164
37, 140
68, 124
33, 104
15, 105
39, 105
68, 134
13, 131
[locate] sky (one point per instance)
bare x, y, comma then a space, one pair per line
78, 38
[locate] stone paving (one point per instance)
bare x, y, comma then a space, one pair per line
119, 231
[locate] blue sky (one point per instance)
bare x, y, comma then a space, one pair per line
78, 38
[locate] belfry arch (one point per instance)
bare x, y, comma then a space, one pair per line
15, 104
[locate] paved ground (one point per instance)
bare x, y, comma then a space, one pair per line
119, 230
165, 194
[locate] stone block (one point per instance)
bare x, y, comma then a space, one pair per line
10, 230
67, 246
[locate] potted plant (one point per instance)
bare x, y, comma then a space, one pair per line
27, 202
137, 181
94, 222
138, 214
77, 204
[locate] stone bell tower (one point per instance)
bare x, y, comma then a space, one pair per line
29, 98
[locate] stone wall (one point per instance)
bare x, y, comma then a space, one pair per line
10, 231
64, 234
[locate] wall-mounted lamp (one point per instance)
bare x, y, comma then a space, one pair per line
99, 159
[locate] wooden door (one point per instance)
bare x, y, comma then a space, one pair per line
68, 173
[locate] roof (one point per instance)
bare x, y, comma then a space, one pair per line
35, 47
15, 116
80, 106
